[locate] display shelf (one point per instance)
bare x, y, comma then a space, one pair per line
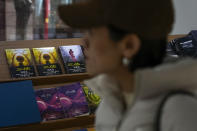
54, 125
52, 80
171, 37
62, 124
45, 82
5, 73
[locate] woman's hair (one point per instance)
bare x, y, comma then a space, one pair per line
150, 54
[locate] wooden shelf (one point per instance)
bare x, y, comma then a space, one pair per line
5, 73
45, 82
171, 37
51, 80
77, 122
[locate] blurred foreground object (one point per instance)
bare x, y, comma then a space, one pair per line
185, 46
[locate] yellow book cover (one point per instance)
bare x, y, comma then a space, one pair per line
20, 62
47, 62
91, 129
92, 98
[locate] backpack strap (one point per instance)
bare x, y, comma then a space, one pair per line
159, 112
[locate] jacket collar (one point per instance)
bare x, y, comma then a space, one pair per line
151, 81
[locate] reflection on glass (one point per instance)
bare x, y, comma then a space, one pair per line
23, 9
33, 19
2, 20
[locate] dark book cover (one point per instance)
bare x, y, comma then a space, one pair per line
73, 100
18, 104
49, 104
81, 129
47, 62
73, 58
20, 63
85, 129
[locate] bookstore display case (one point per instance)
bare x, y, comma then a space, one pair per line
41, 82
44, 82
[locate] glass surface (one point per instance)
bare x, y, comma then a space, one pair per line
33, 20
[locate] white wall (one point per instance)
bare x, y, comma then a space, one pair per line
186, 16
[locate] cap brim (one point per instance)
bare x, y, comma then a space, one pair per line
81, 15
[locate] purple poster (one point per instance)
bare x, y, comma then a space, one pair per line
73, 100
49, 104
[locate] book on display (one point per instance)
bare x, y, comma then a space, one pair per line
20, 63
47, 62
73, 58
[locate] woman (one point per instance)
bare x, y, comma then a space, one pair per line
125, 44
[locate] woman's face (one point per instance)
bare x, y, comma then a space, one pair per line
102, 54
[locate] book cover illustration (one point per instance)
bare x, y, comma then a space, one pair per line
73, 100
73, 58
92, 98
20, 63
49, 104
47, 61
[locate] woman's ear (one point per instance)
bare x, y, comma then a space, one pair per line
130, 45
